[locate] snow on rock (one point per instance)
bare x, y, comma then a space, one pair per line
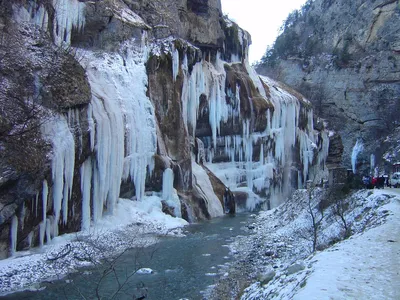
127, 16
145, 271
355, 268
202, 184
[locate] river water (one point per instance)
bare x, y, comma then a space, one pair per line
183, 268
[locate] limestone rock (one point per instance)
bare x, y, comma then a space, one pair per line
344, 57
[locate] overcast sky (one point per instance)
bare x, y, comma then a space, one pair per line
261, 18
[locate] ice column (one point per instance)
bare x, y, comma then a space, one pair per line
13, 234
175, 62
86, 178
358, 147
168, 182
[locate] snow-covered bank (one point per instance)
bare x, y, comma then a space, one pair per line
366, 266
129, 226
275, 261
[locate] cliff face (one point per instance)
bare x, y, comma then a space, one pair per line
345, 57
120, 99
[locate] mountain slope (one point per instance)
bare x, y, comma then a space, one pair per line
345, 57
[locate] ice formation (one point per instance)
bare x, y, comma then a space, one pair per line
34, 13
63, 162
13, 233
358, 147
69, 15
278, 141
122, 130
125, 131
122, 135
168, 184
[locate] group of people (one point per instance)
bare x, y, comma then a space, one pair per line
371, 182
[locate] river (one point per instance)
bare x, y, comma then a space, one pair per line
183, 268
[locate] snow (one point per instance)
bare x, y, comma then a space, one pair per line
145, 271
364, 266
130, 226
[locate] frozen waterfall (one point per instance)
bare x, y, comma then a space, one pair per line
358, 147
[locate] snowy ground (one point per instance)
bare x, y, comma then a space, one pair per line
134, 224
276, 262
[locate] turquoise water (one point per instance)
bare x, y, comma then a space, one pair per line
182, 268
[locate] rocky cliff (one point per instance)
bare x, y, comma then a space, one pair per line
113, 99
345, 57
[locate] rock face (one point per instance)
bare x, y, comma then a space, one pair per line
123, 100
344, 56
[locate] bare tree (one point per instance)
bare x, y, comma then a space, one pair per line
112, 277
315, 215
336, 197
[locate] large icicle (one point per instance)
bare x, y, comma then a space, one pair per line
86, 177
13, 235
168, 184
175, 62
63, 162
124, 135
358, 147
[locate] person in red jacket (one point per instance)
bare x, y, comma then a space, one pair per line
374, 181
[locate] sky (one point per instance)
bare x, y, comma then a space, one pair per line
261, 18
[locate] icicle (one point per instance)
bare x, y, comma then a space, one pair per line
49, 229
13, 235
45, 192
63, 163
42, 231
92, 128
86, 177
262, 153
372, 162
358, 147
36, 14
122, 123
168, 181
30, 238
175, 62
69, 15
36, 204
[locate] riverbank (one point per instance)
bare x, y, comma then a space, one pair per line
275, 261
134, 224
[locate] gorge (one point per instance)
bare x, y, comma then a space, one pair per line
130, 103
